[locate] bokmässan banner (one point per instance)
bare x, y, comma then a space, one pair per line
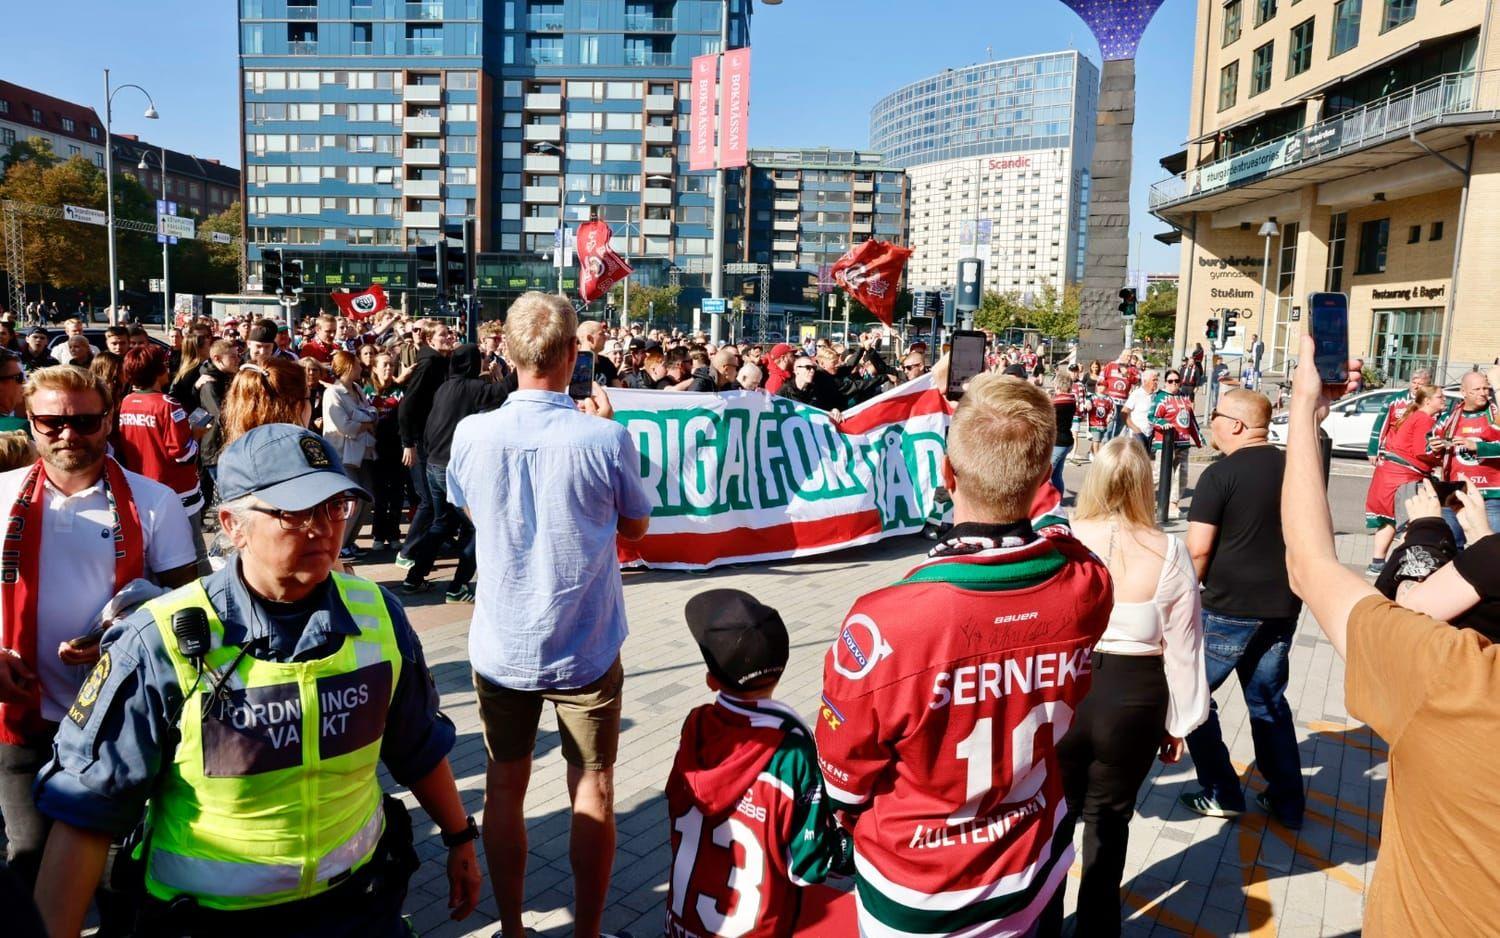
743, 476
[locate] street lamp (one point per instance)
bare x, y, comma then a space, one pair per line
1268, 231
166, 269
109, 185
562, 218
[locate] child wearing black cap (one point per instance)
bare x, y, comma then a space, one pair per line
745, 784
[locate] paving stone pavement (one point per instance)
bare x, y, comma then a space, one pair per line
1184, 874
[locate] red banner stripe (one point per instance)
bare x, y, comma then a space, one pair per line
728, 546
896, 409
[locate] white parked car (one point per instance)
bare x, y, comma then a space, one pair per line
1351, 420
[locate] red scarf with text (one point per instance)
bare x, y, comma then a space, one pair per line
20, 580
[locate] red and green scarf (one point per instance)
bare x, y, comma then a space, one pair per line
20, 579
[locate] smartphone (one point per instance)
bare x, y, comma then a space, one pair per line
200, 418
965, 362
1328, 322
84, 642
1447, 492
582, 383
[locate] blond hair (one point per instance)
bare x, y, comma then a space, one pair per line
1000, 443
70, 379
541, 330
275, 392
16, 450
1118, 485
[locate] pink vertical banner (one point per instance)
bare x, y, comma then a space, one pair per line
705, 100
736, 130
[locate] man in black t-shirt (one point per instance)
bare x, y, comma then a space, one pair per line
1249, 610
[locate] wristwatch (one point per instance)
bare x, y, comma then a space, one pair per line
471, 832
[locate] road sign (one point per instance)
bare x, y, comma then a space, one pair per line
741, 268
154, 285
175, 226
713, 305
220, 237
92, 216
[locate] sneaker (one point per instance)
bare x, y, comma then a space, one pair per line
1201, 802
352, 553
403, 561
1376, 565
464, 594
410, 588
1264, 800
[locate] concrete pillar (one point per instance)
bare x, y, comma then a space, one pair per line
1100, 329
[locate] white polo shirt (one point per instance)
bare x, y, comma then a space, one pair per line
78, 566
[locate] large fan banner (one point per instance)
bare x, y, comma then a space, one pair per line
744, 476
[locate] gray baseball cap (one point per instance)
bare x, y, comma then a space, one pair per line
285, 466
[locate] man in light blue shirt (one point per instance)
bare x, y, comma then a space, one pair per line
549, 486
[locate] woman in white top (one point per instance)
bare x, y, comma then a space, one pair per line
349, 427
1149, 685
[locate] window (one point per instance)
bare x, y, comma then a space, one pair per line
1264, 10
1260, 70
4, 107
1231, 21
1345, 25
1414, 234
36, 115
1229, 81
1397, 12
1436, 233
1374, 237
1300, 58
67, 124
7, 137
74, 149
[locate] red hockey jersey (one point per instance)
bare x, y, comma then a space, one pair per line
1101, 411
944, 698
156, 441
749, 823
1119, 380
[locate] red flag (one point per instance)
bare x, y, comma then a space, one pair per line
599, 267
364, 304
871, 273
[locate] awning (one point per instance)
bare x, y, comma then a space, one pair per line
1248, 119
1383, 61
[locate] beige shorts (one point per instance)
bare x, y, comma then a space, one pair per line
588, 720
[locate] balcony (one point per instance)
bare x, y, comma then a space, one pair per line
545, 195
539, 225
361, 48
862, 227
415, 156
784, 224
636, 23
302, 47
544, 56
1440, 111
420, 220
423, 126
424, 46
422, 94
545, 23
301, 12
784, 245
657, 196
657, 165
785, 184
660, 134
660, 103
422, 188
866, 186
660, 227
424, 11
552, 133
541, 163
785, 205
644, 59
544, 102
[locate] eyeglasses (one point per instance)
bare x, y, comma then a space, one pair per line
916, 367
55, 424
1174, 381
803, 367
1219, 413
335, 509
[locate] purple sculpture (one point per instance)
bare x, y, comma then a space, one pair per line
1117, 24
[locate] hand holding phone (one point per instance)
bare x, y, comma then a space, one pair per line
1328, 323
966, 361
581, 385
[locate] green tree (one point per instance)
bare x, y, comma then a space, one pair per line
999, 311
1054, 313
31, 150
1156, 316
204, 266
647, 300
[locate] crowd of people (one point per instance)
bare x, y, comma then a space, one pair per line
190, 738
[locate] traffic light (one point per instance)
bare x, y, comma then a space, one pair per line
1231, 319
270, 270
456, 268
291, 277
1127, 302
429, 271
1211, 330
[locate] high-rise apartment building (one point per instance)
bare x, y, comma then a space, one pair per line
996, 157
372, 125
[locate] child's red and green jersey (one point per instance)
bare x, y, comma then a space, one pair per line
944, 698
1101, 411
1482, 467
749, 824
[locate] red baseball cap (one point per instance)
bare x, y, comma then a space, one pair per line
780, 349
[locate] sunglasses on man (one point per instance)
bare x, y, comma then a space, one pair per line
54, 424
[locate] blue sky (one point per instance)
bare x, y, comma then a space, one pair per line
819, 65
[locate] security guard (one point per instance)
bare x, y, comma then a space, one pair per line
245, 714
